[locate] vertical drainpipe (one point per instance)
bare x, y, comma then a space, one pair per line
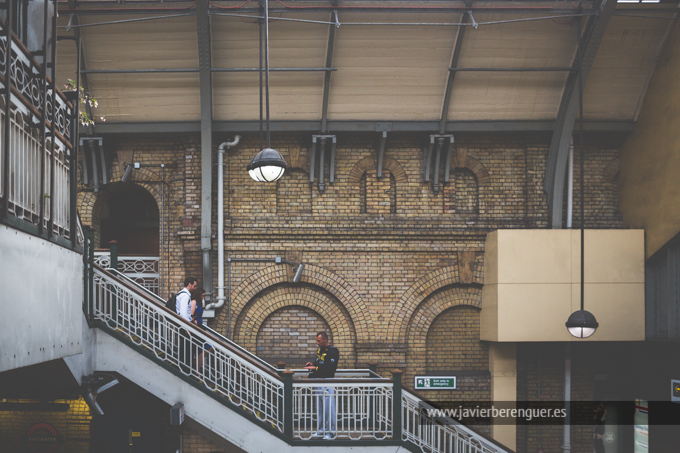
220, 222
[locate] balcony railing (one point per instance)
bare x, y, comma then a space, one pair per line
143, 270
362, 408
36, 146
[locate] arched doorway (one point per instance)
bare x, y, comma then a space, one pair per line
130, 216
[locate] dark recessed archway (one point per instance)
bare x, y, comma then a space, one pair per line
128, 214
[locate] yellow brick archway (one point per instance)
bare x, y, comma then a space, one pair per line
331, 310
313, 276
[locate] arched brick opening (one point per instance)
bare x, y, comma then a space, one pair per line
313, 276
443, 338
288, 335
368, 163
273, 300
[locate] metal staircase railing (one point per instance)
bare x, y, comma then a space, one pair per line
364, 411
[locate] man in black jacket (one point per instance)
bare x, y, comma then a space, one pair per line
324, 366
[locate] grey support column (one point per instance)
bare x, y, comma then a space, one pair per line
205, 63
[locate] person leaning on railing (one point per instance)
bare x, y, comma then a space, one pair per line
324, 366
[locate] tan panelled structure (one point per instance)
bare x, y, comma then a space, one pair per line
532, 284
649, 160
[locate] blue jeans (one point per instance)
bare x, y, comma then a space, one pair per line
325, 410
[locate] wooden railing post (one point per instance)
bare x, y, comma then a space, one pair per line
288, 403
396, 404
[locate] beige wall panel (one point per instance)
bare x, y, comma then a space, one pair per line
618, 308
534, 312
511, 95
611, 256
488, 317
648, 182
534, 256
491, 258
539, 272
623, 66
503, 369
293, 95
147, 97
391, 72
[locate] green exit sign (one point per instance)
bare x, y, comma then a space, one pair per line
435, 382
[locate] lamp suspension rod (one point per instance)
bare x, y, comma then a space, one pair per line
266, 64
261, 90
580, 123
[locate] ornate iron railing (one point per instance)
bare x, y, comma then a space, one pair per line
176, 342
359, 406
359, 410
35, 164
143, 270
439, 435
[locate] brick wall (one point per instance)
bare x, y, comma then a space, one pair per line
289, 335
72, 425
392, 270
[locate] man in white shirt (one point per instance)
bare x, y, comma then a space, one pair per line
183, 299
183, 308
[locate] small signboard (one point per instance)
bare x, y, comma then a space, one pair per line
177, 414
435, 382
675, 390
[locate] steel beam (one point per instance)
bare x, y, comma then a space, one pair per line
566, 117
452, 74
205, 77
180, 70
553, 7
109, 128
327, 76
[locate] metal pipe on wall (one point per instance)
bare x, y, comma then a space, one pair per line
220, 221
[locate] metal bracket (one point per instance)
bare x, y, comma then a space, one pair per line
317, 160
381, 153
94, 159
433, 160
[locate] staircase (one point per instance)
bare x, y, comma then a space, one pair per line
245, 400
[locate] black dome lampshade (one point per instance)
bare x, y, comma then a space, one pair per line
267, 166
582, 324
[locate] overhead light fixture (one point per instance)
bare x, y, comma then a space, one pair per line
268, 165
581, 323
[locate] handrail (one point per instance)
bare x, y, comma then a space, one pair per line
212, 334
369, 409
126, 310
440, 434
159, 300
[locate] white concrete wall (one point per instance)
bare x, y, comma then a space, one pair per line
42, 296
